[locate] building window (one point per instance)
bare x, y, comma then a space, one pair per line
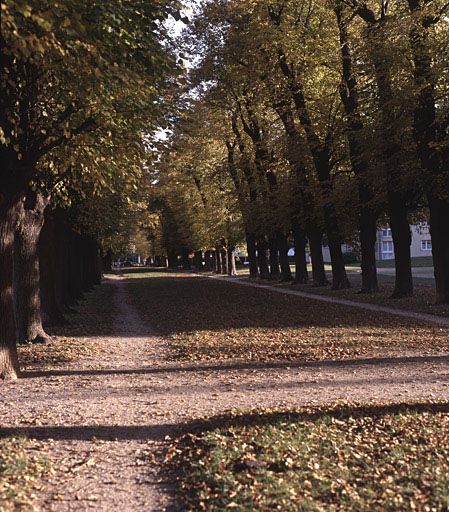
426, 245
387, 250
386, 232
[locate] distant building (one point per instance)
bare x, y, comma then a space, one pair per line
421, 242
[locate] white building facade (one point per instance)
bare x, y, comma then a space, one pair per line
421, 242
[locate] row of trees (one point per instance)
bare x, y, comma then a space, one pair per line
311, 120
81, 96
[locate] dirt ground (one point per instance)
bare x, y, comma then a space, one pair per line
104, 419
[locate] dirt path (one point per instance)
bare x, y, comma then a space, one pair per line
104, 420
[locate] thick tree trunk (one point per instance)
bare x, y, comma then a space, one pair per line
75, 289
232, 269
368, 236
252, 255
224, 260
51, 313
402, 238
208, 261
218, 260
9, 363
431, 144
396, 187
340, 280
275, 272
301, 273
62, 250
199, 261
185, 259
359, 163
26, 270
439, 231
172, 260
106, 261
286, 273
316, 255
262, 262
213, 261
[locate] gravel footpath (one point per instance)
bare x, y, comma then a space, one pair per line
103, 421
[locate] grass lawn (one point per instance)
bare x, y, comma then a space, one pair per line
206, 319
361, 459
419, 261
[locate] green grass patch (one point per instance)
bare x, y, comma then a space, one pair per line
384, 458
418, 261
21, 467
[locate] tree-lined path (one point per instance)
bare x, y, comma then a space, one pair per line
102, 419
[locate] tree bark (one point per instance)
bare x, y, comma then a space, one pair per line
429, 137
402, 238
262, 262
51, 313
301, 273
397, 192
354, 126
439, 231
185, 259
316, 255
208, 261
275, 273
9, 362
199, 261
224, 259
286, 273
218, 260
26, 270
368, 237
232, 269
252, 255
320, 151
172, 260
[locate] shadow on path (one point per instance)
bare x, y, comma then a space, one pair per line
224, 366
158, 432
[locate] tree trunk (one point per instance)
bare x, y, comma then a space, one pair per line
224, 260
51, 314
106, 261
232, 269
199, 261
431, 144
368, 236
9, 363
218, 260
252, 255
208, 261
75, 290
439, 231
62, 250
26, 270
301, 273
397, 190
316, 255
402, 238
185, 259
286, 273
213, 261
354, 127
275, 273
172, 260
262, 262
340, 280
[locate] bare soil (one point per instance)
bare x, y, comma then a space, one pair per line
104, 419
